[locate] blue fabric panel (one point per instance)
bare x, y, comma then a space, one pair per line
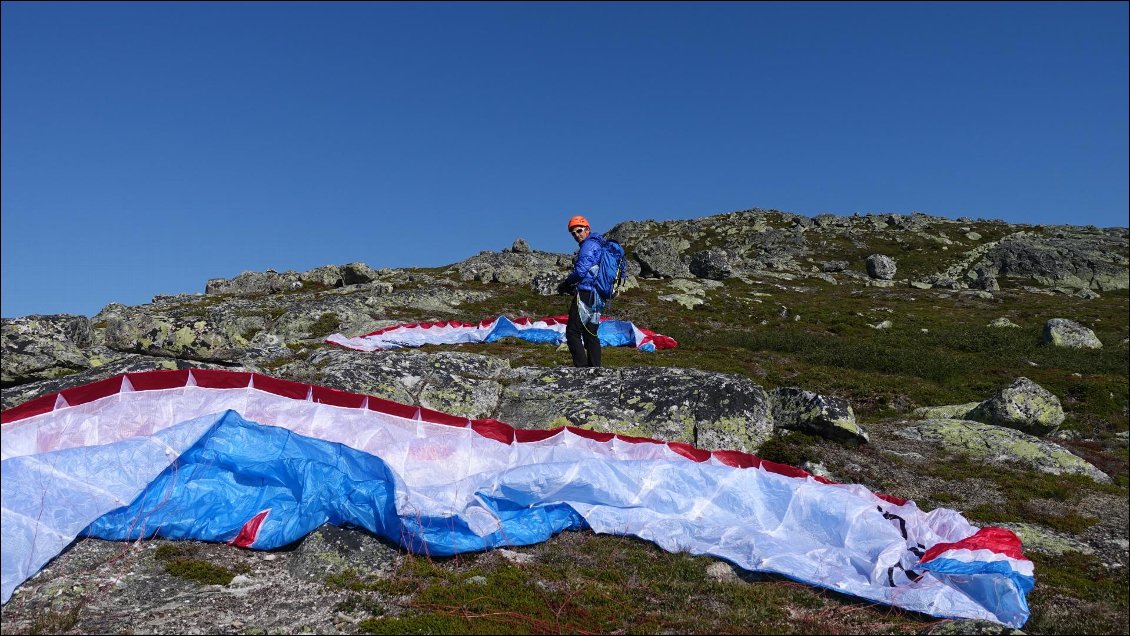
503, 328
240, 468
616, 333
968, 577
542, 336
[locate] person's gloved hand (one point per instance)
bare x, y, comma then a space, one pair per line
564, 288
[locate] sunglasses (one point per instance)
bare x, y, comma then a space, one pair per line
578, 230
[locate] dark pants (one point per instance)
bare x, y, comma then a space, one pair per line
583, 343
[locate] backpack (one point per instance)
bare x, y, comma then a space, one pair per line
609, 271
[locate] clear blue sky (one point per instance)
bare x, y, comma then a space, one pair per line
148, 147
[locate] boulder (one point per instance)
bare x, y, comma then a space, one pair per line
1004, 322
249, 283
1023, 405
947, 412
712, 411
661, 258
1061, 332
881, 267
512, 266
827, 416
713, 264
985, 280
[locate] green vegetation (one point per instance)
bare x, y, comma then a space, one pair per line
793, 448
1022, 490
56, 622
326, 324
940, 349
579, 582
180, 560
1077, 594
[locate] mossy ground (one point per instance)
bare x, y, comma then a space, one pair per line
181, 559
813, 334
939, 350
583, 583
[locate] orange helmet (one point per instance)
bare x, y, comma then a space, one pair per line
579, 221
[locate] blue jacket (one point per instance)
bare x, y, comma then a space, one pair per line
587, 256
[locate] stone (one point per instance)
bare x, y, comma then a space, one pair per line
806, 411
1061, 332
1023, 405
991, 443
713, 264
881, 267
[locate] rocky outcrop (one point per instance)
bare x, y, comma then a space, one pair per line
1070, 258
273, 282
513, 266
41, 347
986, 442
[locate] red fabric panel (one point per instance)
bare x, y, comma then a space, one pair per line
285, 388
898, 501
737, 459
688, 451
1000, 540
660, 341
493, 429
41, 404
250, 531
93, 391
589, 434
335, 397
382, 405
526, 435
221, 379
437, 417
159, 379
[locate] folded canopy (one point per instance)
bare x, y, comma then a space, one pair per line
612, 333
260, 462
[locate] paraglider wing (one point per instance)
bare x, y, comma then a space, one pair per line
551, 330
260, 462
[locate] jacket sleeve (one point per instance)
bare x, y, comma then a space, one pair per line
587, 256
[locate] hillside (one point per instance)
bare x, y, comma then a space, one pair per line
921, 325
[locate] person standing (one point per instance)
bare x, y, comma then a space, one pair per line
580, 331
